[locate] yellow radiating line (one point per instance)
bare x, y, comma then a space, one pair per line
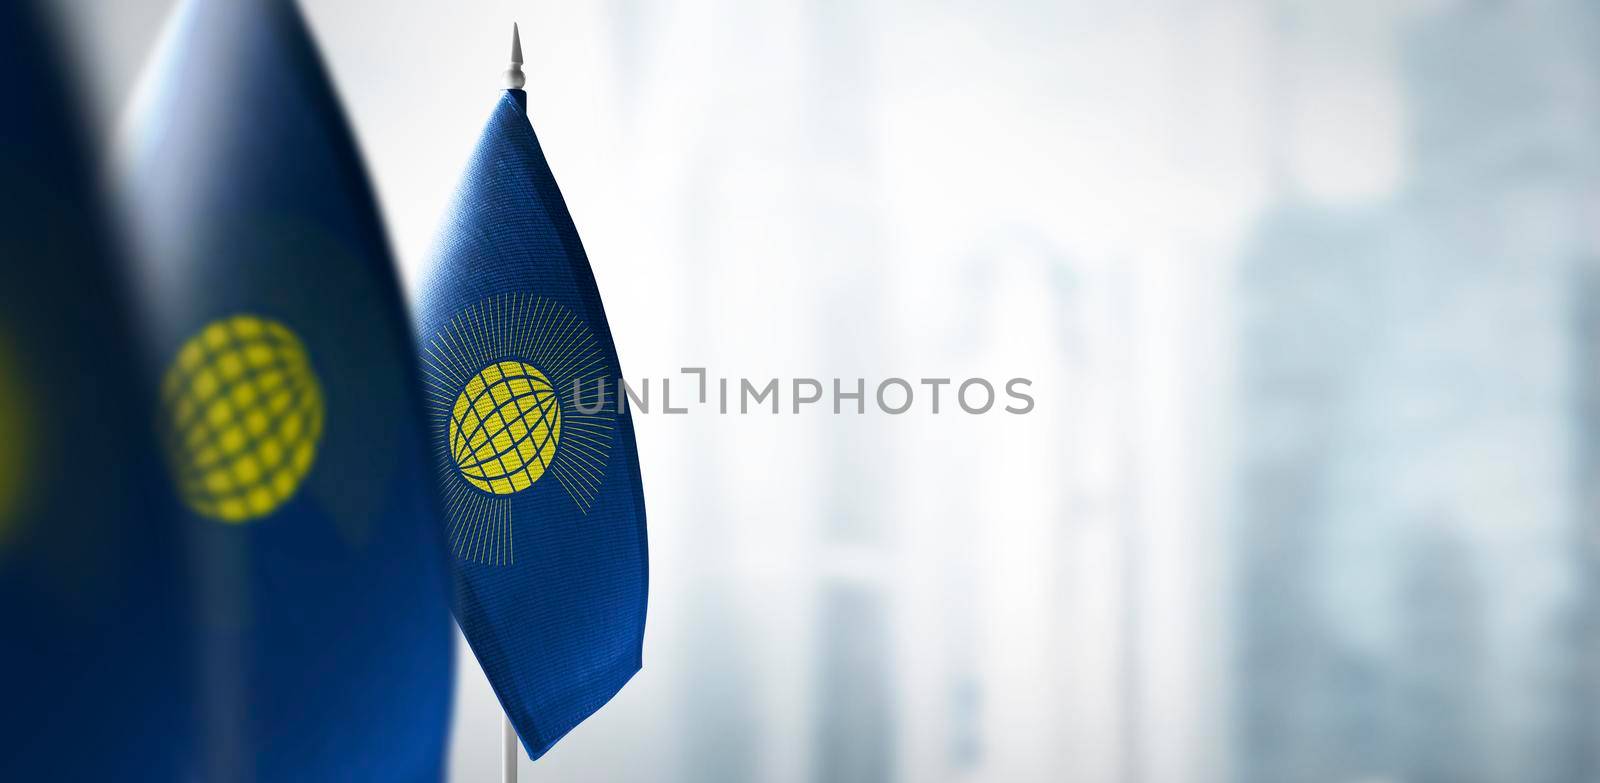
469, 517
569, 410
458, 516
561, 342
497, 551
588, 452
588, 420
600, 419
439, 381
446, 350
486, 346
452, 488
448, 468
578, 498
441, 446
488, 530
576, 340
440, 408
479, 337
446, 399
562, 480
503, 542
585, 464
585, 364
571, 333
596, 361
431, 370
430, 360
586, 348
607, 395
470, 548
484, 537
584, 468
580, 466
460, 346
455, 349
458, 523
494, 538
597, 441
540, 327
594, 455
491, 324
468, 514
459, 545
554, 327
581, 493
447, 478
474, 334
452, 344
435, 363
475, 531
486, 332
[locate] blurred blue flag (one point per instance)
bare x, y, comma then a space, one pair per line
538, 463
94, 663
290, 398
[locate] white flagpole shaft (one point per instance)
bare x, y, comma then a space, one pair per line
508, 751
509, 745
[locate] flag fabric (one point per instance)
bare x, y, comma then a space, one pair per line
538, 464
93, 610
290, 408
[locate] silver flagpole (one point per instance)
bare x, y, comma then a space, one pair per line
514, 80
508, 751
514, 76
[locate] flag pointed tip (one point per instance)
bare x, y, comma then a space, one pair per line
514, 77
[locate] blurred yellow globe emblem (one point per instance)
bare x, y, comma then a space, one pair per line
504, 428
245, 411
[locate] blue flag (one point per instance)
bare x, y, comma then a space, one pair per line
543, 500
94, 646
290, 407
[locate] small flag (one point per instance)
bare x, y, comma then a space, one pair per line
94, 640
544, 505
289, 398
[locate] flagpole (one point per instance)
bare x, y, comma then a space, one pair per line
514, 76
508, 750
514, 80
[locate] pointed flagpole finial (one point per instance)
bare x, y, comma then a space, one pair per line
514, 78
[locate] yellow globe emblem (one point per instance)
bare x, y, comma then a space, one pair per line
245, 410
504, 428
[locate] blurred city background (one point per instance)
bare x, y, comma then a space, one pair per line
1310, 293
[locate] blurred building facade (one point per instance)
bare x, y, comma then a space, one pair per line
1414, 596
